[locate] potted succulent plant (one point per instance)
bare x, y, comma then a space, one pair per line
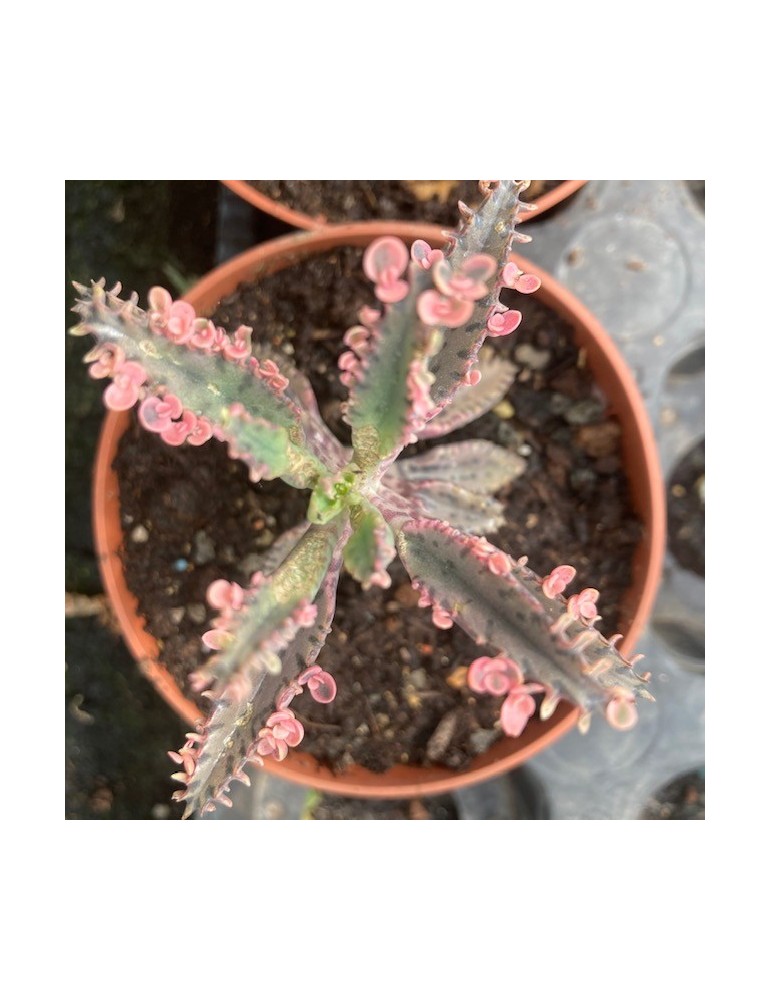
313, 204
413, 370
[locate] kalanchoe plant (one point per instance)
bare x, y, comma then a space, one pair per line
413, 372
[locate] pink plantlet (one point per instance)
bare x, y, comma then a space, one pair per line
348, 362
518, 709
177, 432
123, 392
107, 358
584, 604
441, 618
513, 277
369, 316
160, 302
435, 309
287, 694
201, 433
305, 615
222, 595
380, 578
179, 322
494, 675
384, 263
216, 638
418, 386
281, 731
269, 370
621, 711
499, 563
240, 346
219, 340
424, 600
423, 255
203, 335
557, 580
157, 414
500, 323
472, 377
469, 283
321, 685
466, 213
356, 338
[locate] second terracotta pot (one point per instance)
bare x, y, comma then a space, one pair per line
302, 220
642, 468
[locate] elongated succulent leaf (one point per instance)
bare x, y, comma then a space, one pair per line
318, 437
381, 409
479, 466
208, 384
490, 230
370, 549
503, 604
473, 401
228, 741
267, 620
444, 501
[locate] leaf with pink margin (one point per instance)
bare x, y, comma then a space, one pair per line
381, 409
473, 401
445, 501
206, 384
477, 465
230, 736
509, 612
370, 549
489, 232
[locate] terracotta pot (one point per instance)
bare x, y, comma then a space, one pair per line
642, 468
302, 221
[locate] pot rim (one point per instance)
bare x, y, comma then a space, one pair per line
643, 470
301, 220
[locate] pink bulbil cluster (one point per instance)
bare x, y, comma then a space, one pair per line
451, 302
499, 675
385, 261
177, 321
228, 599
165, 416
128, 377
281, 731
502, 321
514, 277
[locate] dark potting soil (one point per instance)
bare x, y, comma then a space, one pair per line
683, 798
685, 510
192, 516
350, 201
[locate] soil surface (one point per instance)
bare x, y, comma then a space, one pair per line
191, 516
349, 201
